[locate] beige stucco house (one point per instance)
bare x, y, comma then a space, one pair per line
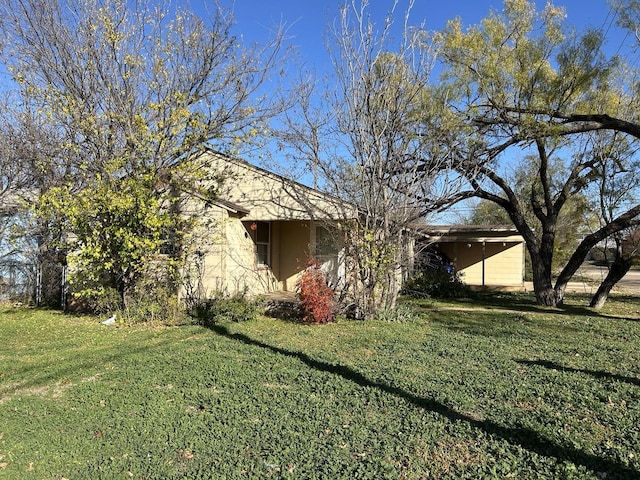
260, 234
484, 256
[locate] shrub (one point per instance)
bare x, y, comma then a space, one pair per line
400, 314
284, 309
220, 308
157, 305
102, 301
435, 283
315, 295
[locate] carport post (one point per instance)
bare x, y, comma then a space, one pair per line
483, 255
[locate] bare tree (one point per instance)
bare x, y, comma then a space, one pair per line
615, 188
365, 138
24, 144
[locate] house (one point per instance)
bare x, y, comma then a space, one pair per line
259, 235
483, 255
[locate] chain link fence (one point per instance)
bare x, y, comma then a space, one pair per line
38, 284
17, 281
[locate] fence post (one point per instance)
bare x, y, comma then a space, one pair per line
38, 284
63, 288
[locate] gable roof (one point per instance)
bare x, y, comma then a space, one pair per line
230, 206
264, 195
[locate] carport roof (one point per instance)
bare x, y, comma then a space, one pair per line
470, 233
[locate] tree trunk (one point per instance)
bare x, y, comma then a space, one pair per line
545, 293
618, 269
571, 267
576, 260
390, 292
549, 297
125, 287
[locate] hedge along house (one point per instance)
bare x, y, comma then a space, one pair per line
490, 256
258, 237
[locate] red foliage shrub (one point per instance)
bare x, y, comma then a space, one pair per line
315, 295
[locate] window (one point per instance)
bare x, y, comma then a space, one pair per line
262, 236
169, 245
326, 242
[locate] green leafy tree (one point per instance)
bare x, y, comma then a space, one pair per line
118, 227
522, 84
573, 219
132, 91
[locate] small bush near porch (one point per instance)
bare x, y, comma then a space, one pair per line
490, 388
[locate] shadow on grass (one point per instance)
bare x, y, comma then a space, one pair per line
491, 313
497, 323
284, 309
523, 437
594, 373
525, 302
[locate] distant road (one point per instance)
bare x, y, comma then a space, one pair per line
630, 282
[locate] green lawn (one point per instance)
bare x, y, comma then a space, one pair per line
490, 388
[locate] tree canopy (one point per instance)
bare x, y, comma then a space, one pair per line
129, 93
529, 89
114, 100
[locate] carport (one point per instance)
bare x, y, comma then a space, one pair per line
483, 255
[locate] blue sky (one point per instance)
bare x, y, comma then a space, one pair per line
308, 19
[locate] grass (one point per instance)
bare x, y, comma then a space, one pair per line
493, 387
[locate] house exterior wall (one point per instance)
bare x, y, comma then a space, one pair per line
249, 196
230, 265
291, 209
294, 241
225, 250
214, 264
243, 274
502, 264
